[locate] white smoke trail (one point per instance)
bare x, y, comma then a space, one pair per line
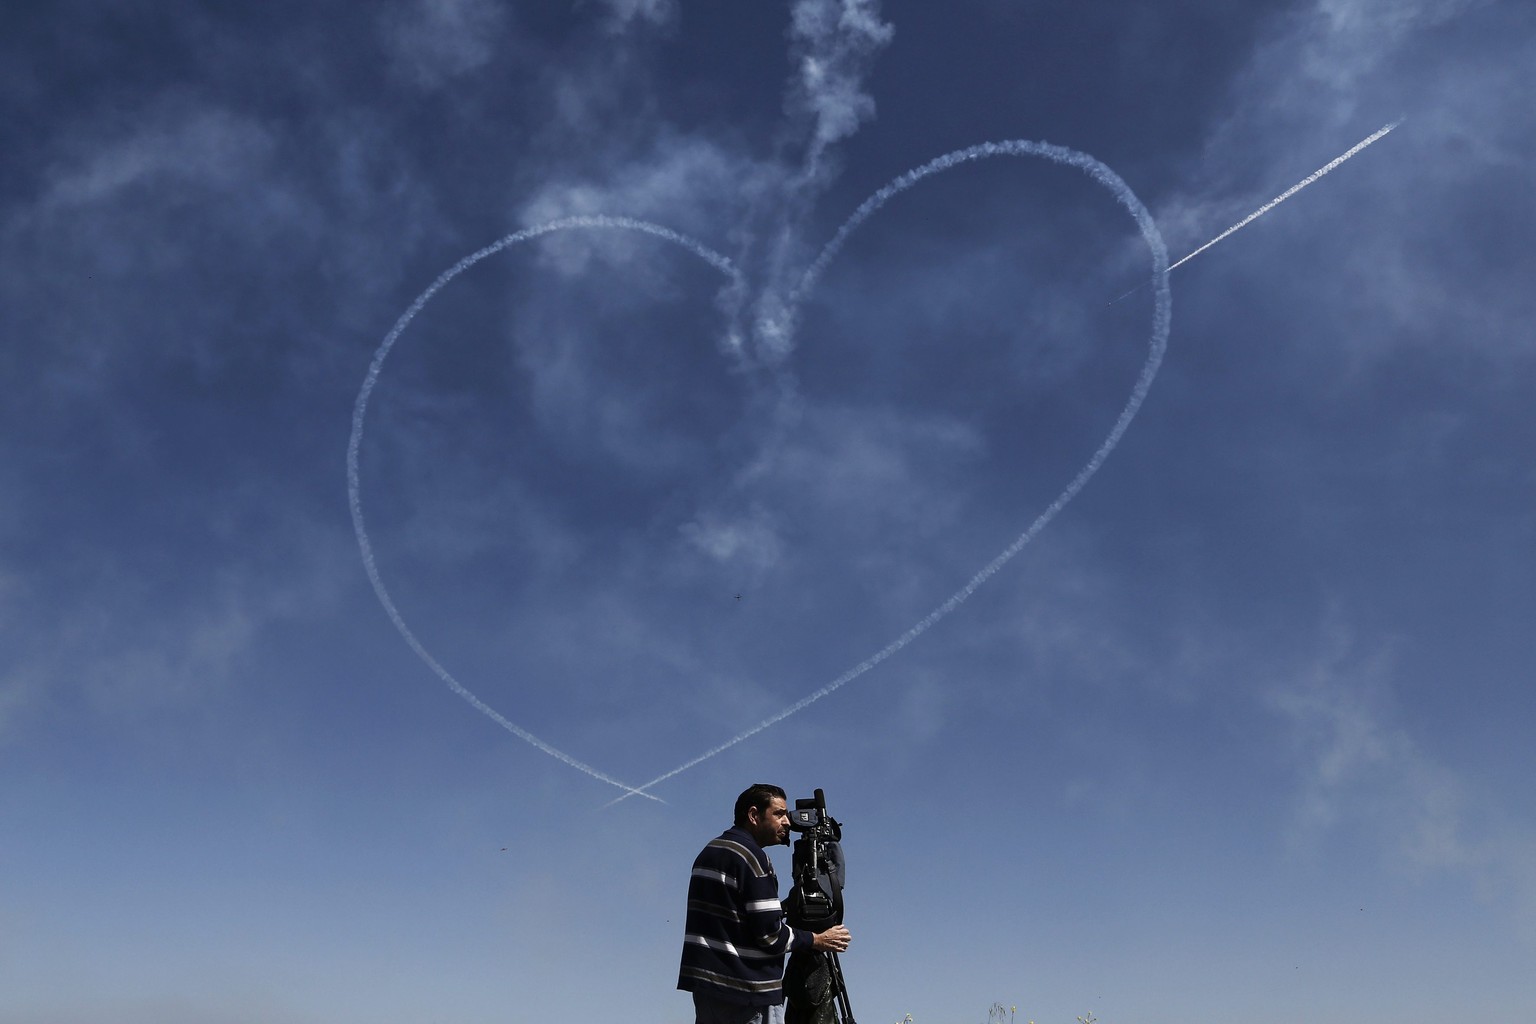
1282, 197
833, 45
1157, 346
354, 444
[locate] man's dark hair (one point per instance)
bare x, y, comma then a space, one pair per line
759, 795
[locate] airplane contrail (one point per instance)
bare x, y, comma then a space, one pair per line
1282, 197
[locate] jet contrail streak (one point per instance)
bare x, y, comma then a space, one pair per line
1157, 345
1282, 197
354, 485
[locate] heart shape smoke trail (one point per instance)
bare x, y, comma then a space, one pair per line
1157, 344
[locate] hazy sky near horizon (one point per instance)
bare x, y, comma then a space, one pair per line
1243, 732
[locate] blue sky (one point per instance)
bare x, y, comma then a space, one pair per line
1242, 733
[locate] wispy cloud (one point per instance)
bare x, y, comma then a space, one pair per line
113, 215
134, 647
1343, 40
125, 667
171, 145
623, 13
710, 184
1431, 269
1359, 765
750, 543
692, 184
433, 42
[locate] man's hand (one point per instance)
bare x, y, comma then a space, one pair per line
833, 940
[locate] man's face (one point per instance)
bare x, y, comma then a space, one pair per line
770, 827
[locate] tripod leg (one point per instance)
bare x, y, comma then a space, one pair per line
839, 989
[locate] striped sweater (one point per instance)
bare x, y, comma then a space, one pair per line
736, 935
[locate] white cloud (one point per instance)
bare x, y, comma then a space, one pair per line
124, 661
686, 183
878, 459
1360, 767
126, 205
132, 649
750, 541
432, 42
172, 145
1345, 39
1399, 236
179, 232
748, 207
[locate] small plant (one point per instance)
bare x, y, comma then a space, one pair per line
997, 1013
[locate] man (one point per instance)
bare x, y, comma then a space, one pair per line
736, 935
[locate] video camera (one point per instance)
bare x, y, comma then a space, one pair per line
816, 898
813, 981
